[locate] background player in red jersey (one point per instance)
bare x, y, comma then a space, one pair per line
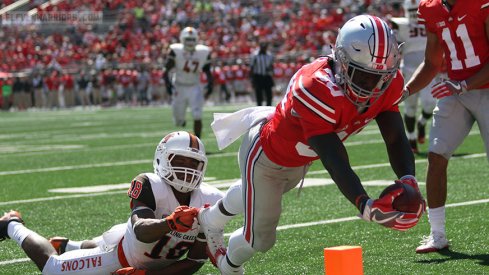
326, 101
459, 30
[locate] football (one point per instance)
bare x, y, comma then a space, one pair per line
408, 201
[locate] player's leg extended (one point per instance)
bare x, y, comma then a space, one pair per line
410, 107
196, 101
40, 251
37, 248
84, 261
264, 182
179, 106
213, 219
451, 124
113, 235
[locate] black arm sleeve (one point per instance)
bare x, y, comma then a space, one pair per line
334, 157
210, 80
401, 157
170, 63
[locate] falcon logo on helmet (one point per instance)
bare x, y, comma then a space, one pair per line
368, 57
180, 161
189, 37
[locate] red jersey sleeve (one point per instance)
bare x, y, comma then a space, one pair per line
461, 32
313, 101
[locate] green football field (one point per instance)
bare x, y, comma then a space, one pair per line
48, 161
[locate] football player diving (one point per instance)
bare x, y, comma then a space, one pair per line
161, 229
326, 101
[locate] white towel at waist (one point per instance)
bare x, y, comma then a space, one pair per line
228, 127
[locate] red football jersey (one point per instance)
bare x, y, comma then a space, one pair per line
462, 32
315, 105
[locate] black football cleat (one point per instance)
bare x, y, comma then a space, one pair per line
8, 217
421, 133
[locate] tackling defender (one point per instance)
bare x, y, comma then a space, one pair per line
154, 238
188, 59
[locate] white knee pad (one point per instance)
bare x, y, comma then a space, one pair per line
239, 250
233, 201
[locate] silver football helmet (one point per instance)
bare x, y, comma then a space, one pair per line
189, 37
180, 161
368, 57
411, 10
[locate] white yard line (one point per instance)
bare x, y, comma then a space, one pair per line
111, 189
292, 226
71, 167
84, 166
22, 149
53, 198
132, 162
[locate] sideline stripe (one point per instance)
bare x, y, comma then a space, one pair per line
297, 225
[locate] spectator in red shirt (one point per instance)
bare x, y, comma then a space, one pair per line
52, 84
68, 85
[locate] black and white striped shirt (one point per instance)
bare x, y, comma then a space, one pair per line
262, 63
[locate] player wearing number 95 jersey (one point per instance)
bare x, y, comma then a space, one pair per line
457, 31
326, 101
187, 60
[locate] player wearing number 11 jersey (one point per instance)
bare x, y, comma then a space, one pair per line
459, 32
187, 60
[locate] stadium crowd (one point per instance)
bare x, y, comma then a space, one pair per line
119, 59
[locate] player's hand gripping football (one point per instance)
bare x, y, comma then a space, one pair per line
182, 218
129, 271
382, 212
448, 88
413, 182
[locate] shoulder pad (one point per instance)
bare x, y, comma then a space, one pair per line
208, 194
177, 47
142, 191
203, 48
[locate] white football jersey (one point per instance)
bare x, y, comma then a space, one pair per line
414, 37
188, 65
171, 247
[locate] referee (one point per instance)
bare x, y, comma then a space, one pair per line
261, 69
